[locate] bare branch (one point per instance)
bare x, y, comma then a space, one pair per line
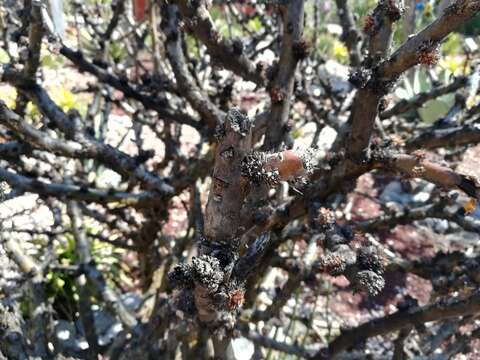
148, 102
270, 343
38, 299
434, 137
417, 166
350, 35
93, 275
442, 309
90, 147
197, 19
82, 250
294, 48
418, 100
199, 101
72, 191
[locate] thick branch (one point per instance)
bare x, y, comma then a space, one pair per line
13, 340
417, 166
380, 30
293, 49
225, 200
420, 48
407, 55
365, 103
35, 35
13, 149
434, 137
442, 309
350, 35
37, 296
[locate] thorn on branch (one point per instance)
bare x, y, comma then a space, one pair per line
359, 77
237, 46
369, 25
332, 264
270, 169
228, 153
238, 121
277, 94
181, 276
236, 299
369, 281
301, 49
394, 11
215, 36
428, 53
363, 267
253, 168
369, 258
206, 272
325, 217
385, 8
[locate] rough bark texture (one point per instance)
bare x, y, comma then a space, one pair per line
228, 187
294, 48
168, 206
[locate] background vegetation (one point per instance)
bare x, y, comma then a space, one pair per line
239, 179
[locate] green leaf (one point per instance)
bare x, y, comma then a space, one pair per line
117, 51
64, 98
453, 45
215, 13
435, 109
255, 24
4, 58
421, 82
52, 62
